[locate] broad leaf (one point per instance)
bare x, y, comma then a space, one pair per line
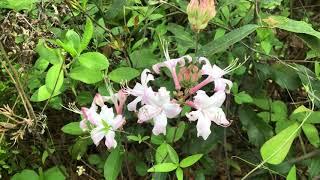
86, 75
312, 134
123, 74
291, 25
190, 160
72, 128
179, 173
53, 56
54, 78
113, 164
54, 173
94, 61
164, 167
26, 174
173, 154
43, 94
276, 149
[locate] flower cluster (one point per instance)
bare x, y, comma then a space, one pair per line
158, 106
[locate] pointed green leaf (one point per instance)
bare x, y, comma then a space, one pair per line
113, 164
276, 149
122, 74
94, 61
164, 167
179, 173
173, 154
292, 174
223, 42
86, 75
87, 35
54, 78
190, 160
72, 128
312, 134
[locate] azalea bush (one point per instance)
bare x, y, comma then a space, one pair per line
130, 89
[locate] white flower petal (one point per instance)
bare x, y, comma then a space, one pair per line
217, 99
147, 112
203, 127
110, 141
221, 83
171, 109
201, 100
218, 116
97, 135
146, 77
160, 124
107, 114
132, 106
91, 115
117, 122
193, 115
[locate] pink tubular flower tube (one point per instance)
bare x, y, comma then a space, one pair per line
215, 75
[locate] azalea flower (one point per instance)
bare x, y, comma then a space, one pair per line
171, 64
140, 90
159, 108
208, 109
107, 124
215, 74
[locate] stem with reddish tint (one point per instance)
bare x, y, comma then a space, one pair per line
175, 79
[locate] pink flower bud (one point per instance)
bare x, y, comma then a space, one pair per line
200, 12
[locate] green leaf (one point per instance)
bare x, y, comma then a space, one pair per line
175, 133
72, 128
164, 167
53, 56
86, 75
94, 159
71, 43
134, 138
54, 173
79, 148
258, 130
179, 173
54, 78
285, 77
276, 149
18, 5
26, 174
122, 74
113, 164
292, 174
312, 134
227, 40
41, 64
44, 156
279, 110
42, 94
143, 58
161, 153
291, 25
173, 154
87, 35
190, 160
94, 61
243, 97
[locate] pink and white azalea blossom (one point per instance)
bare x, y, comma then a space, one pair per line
215, 74
208, 109
140, 90
159, 108
107, 124
171, 64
